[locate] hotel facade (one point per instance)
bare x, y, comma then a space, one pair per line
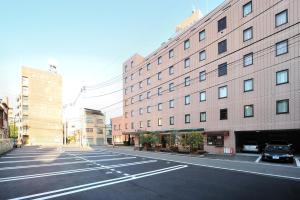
233, 75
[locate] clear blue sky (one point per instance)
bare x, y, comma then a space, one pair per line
90, 39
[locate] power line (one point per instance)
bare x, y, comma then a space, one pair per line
218, 59
297, 35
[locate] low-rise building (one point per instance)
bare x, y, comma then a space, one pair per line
4, 126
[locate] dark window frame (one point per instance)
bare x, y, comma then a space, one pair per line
223, 117
222, 44
222, 69
248, 54
204, 71
288, 106
200, 96
222, 24
246, 4
287, 47
170, 121
247, 29
185, 97
226, 92
203, 51
216, 140
184, 44
203, 31
252, 106
288, 78
170, 53
252, 85
287, 18
185, 118
205, 117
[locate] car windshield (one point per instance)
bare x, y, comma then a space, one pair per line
277, 148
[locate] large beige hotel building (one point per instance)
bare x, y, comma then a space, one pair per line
39, 116
233, 75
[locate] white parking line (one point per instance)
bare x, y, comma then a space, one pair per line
48, 155
258, 159
31, 176
65, 163
53, 159
222, 168
297, 162
90, 186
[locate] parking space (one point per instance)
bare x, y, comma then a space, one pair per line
46, 173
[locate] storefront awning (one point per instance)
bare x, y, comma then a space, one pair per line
217, 133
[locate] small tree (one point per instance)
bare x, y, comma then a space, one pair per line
195, 140
147, 139
13, 131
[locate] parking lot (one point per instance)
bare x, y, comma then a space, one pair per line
46, 173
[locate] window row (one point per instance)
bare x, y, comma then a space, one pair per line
282, 107
282, 77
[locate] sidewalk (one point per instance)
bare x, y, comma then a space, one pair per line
280, 171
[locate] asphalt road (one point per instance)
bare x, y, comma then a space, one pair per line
47, 173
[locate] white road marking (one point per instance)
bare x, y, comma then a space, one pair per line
89, 186
126, 174
108, 172
297, 162
258, 159
48, 155
223, 168
119, 172
65, 163
15, 178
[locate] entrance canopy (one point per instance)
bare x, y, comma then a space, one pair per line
216, 133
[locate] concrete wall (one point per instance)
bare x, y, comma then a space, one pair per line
5, 145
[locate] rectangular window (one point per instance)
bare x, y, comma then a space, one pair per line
140, 84
202, 76
222, 69
132, 100
140, 71
159, 76
148, 66
141, 111
125, 91
187, 118
25, 81
125, 68
171, 103
25, 91
202, 55
148, 109
131, 77
140, 97
132, 113
149, 95
248, 85
247, 9
159, 91
159, 107
141, 124
202, 35
223, 114
222, 46
281, 47
223, 92
248, 59
171, 53
248, 111
187, 100
148, 81
281, 18
186, 44
202, 116
248, 34
202, 96
131, 64
187, 81
126, 115
89, 130
222, 24
159, 60
282, 106
172, 120
131, 88
171, 87
215, 140
159, 121
125, 80
282, 77
186, 63
148, 123
171, 70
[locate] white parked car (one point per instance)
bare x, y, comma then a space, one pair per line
251, 146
